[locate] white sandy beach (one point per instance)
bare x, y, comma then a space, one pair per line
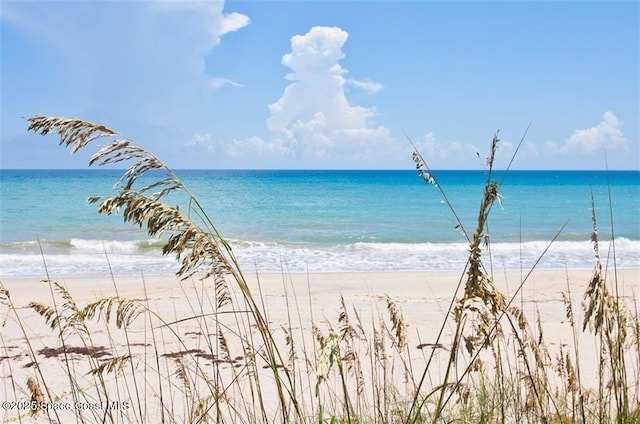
292, 301
541, 285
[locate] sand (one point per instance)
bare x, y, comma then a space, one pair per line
292, 301
541, 285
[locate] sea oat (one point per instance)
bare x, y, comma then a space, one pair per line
398, 326
75, 132
347, 332
329, 355
183, 375
36, 394
423, 169
198, 249
112, 365
596, 292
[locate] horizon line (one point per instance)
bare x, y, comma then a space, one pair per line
330, 169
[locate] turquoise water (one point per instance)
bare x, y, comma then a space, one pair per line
324, 220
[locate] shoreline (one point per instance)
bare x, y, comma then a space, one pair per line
88, 257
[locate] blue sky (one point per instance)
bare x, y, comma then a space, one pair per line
328, 84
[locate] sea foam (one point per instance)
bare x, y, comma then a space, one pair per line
95, 257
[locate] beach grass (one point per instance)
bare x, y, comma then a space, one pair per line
230, 347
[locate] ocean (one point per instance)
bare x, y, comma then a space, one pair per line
316, 220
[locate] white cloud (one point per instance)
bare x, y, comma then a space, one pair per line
313, 118
368, 86
219, 23
222, 82
458, 154
605, 135
202, 141
254, 145
450, 152
189, 30
139, 62
233, 22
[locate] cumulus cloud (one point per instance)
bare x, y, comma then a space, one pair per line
313, 118
157, 67
219, 23
181, 34
142, 62
606, 134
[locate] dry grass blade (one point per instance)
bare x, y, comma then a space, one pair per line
596, 293
102, 307
290, 343
112, 365
203, 407
47, 312
346, 329
398, 327
224, 346
4, 294
197, 249
569, 308
329, 355
72, 318
75, 132
221, 289
128, 311
183, 375
117, 151
317, 334
36, 393
479, 284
